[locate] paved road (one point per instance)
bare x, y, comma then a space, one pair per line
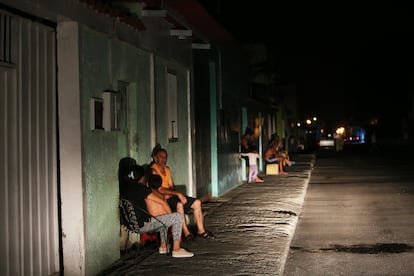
253, 224
357, 218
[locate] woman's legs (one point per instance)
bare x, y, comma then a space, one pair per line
173, 220
180, 210
198, 216
252, 174
281, 165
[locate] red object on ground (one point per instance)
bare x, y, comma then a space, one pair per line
147, 237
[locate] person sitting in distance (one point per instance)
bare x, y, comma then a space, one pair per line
272, 155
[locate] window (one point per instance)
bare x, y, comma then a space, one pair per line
112, 104
5, 38
172, 107
96, 113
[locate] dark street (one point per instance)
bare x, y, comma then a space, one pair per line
357, 217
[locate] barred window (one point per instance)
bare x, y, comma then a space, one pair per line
5, 38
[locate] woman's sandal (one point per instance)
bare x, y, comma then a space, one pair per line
206, 235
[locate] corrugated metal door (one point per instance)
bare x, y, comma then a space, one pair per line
29, 231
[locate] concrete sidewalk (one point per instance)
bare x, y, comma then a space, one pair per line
253, 224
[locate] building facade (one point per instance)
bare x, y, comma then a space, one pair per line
86, 83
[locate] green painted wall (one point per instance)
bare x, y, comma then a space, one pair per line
178, 152
234, 87
104, 63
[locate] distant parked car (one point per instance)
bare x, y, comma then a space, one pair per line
327, 143
353, 139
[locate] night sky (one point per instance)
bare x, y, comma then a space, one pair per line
348, 61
